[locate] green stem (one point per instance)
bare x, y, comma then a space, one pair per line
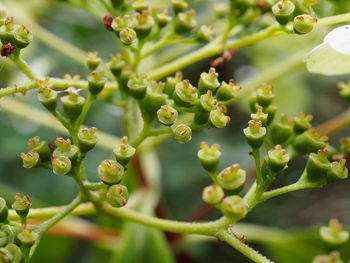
256, 155
22, 65
79, 121
62, 120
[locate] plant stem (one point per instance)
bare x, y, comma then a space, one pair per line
22, 65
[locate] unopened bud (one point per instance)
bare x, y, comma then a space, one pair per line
232, 179
212, 194
209, 156
110, 172
123, 152
117, 195
234, 207
182, 133
167, 115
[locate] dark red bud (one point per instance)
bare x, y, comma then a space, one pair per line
7, 50
107, 21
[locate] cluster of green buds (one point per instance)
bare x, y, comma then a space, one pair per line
39, 152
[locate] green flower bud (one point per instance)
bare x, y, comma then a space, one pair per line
7, 30
283, 11
163, 19
185, 94
11, 253
265, 95
93, 61
30, 160
182, 133
277, 159
127, 36
345, 147
48, 97
117, 195
304, 24
27, 237
171, 83
302, 123
123, 152
234, 207
167, 115
21, 205
205, 34
282, 130
185, 22
22, 36
333, 234
228, 91
96, 81
334, 257
7, 235
345, 90
73, 103
232, 179
120, 23
87, 139
209, 156
65, 149
309, 141
110, 172
138, 85
3, 210
41, 147
179, 5
217, 117
153, 100
317, 165
61, 165
255, 133
143, 24
337, 171
259, 116
208, 102
271, 113
208, 81
212, 194
116, 65
140, 5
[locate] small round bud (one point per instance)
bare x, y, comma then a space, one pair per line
345, 147
87, 139
30, 160
278, 158
3, 210
123, 152
48, 97
61, 165
143, 24
171, 83
302, 123
96, 81
232, 179
212, 194
93, 61
22, 36
138, 85
265, 95
73, 103
110, 172
127, 36
208, 81
334, 257
234, 207
259, 116
64, 148
317, 165
11, 253
182, 133
21, 204
228, 91
140, 5
167, 115
120, 23
334, 235
185, 94
117, 195
179, 5
7, 234
309, 141
282, 130
107, 21
345, 90
41, 147
208, 102
283, 11
205, 34
7, 30
217, 117
185, 22
255, 133
27, 237
163, 19
116, 65
304, 24
7, 50
209, 156
337, 171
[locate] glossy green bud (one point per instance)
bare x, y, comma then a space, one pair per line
143, 24
21, 205
48, 97
304, 24
232, 179
255, 134
110, 172
167, 115
302, 123
228, 91
182, 133
153, 100
41, 147
271, 113
73, 103
259, 116
163, 19
116, 65
6, 31
234, 207
185, 94
140, 5
171, 83
117, 195
212, 194
345, 90
337, 171
123, 152
185, 22
127, 36
120, 23
282, 130
179, 5
334, 235
96, 81
277, 158
309, 141
334, 257
61, 165
208, 102
87, 139
64, 148
93, 61
217, 117
3, 210
30, 160
265, 95
11, 254
283, 11
205, 34
345, 147
317, 165
208, 81
27, 237
209, 156
22, 36
138, 85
